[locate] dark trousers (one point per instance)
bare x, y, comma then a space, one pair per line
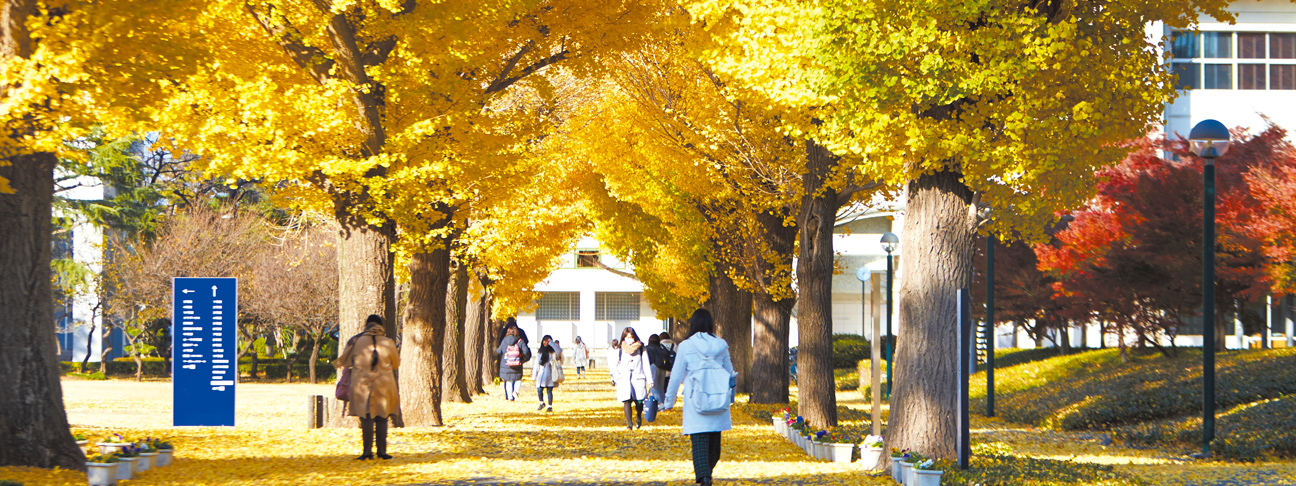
371, 429
541, 392
706, 453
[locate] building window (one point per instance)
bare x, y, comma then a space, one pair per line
1251, 76
616, 306
1183, 45
1251, 45
587, 259
1217, 45
1187, 75
1217, 76
558, 306
1282, 76
1282, 46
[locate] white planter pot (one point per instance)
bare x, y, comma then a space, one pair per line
927, 478
106, 448
895, 470
869, 456
82, 443
101, 474
906, 474
146, 460
816, 449
840, 452
126, 468
164, 457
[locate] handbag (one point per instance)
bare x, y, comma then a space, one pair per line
558, 376
343, 391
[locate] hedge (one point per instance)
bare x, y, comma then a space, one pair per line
1094, 390
1020, 470
273, 368
849, 349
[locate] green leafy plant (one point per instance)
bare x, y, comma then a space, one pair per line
101, 459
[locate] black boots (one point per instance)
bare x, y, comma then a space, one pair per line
381, 437
371, 429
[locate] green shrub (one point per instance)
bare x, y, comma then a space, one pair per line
1017, 356
273, 368
6, 482
849, 349
1260, 430
1094, 390
845, 379
1015, 470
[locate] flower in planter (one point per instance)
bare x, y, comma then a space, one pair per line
873, 441
899, 453
128, 451
79, 437
927, 465
913, 458
103, 458
160, 444
820, 435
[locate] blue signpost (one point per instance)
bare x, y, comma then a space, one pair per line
204, 338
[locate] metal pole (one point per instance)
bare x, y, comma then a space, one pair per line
1208, 306
990, 326
890, 351
966, 335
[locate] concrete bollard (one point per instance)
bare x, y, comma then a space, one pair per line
314, 411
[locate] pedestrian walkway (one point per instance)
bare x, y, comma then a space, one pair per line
489, 442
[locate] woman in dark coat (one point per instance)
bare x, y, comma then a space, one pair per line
510, 373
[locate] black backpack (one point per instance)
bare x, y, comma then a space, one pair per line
665, 358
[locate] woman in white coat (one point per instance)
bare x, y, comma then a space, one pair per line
582, 357
704, 430
543, 372
632, 376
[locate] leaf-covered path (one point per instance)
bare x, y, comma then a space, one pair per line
583, 441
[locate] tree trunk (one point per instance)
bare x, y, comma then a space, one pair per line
772, 326
475, 328
938, 245
315, 348
490, 363
454, 380
816, 393
731, 307
34, 422
89, 346
366, 283
423, 338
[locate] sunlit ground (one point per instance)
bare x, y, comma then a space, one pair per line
491, 441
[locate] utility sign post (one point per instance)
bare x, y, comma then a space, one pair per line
204, 367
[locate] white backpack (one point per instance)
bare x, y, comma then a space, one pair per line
710, 387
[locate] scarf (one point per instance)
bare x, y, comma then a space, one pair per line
545, 352
632, 349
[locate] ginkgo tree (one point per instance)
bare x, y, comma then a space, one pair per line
387, 115
696, 191
1006, 105
63, 67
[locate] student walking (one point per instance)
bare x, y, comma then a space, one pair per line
703, 365
632, 376
513, 351
661, 360
371, 360
611, 358
546, 371
580, 356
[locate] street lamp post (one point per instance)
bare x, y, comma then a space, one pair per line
889, 243
1208, 139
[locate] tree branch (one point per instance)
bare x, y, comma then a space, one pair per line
625, 274
504, 82
310, 58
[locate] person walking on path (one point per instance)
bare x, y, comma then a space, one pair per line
580, 356
669, 348
513, 352
545, 370
703, 360
657, 356
611, 358
372, 360
632, 375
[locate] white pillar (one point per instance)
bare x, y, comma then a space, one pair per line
1264, 338
1237, 330
1288, 313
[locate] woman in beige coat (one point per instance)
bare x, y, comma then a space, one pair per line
372, 359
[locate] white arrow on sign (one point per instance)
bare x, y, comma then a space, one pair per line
187, 291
